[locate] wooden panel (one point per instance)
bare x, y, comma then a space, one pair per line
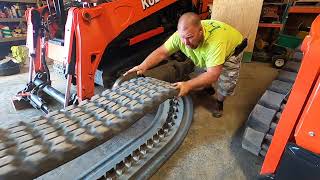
244, 15
55, 52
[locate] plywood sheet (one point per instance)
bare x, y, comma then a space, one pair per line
244, 15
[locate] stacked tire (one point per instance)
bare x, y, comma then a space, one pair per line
8, 67
264, 117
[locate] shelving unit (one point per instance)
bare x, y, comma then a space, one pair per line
14, 22
273, 3
306, 2
20, 1
12, 19
271, 25
285, 6
272, 22
22, 38
304, 9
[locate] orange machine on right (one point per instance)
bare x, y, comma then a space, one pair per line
294, 152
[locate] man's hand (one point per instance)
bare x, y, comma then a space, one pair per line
184, 88
139, 69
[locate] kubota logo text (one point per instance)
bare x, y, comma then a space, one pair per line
148, 3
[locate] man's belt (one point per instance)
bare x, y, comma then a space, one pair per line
240, 47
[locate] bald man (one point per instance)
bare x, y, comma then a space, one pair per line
212, 46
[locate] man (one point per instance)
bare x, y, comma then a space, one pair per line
211, 45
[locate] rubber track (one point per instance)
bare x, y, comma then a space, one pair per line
28, 150
264, 117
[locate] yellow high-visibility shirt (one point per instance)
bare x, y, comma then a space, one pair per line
220, 40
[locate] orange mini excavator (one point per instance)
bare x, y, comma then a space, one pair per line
93, 43
123, 132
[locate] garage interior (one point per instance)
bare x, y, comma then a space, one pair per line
272, 113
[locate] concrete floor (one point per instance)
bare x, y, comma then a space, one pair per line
212, 148
9, 86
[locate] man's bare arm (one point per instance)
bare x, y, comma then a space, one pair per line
152, 60
155, 57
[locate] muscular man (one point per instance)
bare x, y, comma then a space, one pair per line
212, 46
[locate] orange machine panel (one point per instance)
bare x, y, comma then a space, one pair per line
92, 28
96, 27
308, 130
297, 101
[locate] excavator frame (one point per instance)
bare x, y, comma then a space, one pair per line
283, 127
95, 43
295, 143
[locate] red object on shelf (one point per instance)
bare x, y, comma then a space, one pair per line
304, 9
271, 25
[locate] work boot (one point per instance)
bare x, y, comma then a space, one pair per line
217, 109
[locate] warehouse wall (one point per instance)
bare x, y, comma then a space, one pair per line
243, 15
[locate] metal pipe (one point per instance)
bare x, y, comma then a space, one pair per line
37, 102
57, 95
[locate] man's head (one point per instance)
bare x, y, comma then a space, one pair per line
190, 30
